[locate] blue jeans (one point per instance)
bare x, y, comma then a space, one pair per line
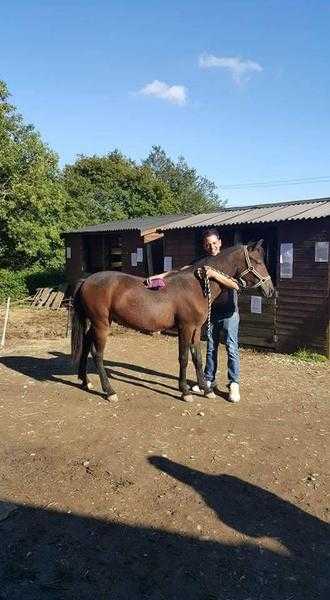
229, 326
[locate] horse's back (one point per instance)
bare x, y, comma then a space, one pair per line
97, 291
124, 297
105, 278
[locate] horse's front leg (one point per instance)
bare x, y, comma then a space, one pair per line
195, 349
185, 335
99, 337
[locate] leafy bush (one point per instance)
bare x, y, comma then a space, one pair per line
39, 278
13, 284
21, 284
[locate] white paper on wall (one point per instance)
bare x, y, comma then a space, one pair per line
256, 305
68, 252
167, 263
133, 259
321, 251
286, 261
139, 254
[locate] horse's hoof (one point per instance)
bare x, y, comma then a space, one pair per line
112, 398
86, 386
211, 395
187, 398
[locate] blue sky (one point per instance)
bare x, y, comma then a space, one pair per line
239, 88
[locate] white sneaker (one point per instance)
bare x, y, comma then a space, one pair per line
234, 395
197, 389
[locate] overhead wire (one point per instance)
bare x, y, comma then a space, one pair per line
276, 183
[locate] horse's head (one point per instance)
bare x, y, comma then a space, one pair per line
254, 272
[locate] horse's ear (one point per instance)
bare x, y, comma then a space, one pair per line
255, 245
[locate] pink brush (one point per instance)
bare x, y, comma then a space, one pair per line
154, 284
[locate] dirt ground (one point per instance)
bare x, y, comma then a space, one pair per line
152, 498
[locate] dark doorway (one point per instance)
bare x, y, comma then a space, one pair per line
155, 256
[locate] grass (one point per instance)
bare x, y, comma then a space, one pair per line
306, 355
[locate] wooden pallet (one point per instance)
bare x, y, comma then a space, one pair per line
49, 298
57, 300
36, 296
43, 297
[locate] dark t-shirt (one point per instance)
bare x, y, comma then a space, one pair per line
227, 302
225, 305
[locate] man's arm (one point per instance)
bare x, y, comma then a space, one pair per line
222, 279
162, 275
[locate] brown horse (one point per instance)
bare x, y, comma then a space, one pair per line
111, 296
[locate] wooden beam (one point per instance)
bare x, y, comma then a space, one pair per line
152, 236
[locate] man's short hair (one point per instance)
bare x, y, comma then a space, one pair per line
208, 232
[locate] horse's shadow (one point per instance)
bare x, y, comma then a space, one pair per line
59, 366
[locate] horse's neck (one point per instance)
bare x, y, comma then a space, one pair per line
229, 265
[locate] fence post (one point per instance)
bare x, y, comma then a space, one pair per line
5, 323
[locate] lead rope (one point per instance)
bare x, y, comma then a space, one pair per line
208, 294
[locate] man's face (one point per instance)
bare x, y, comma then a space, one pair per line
212, 245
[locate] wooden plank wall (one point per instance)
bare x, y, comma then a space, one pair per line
257, 329
180, 244
131, 240
74, 266
96, 260
303, 303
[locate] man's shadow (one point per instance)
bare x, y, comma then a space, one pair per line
257, 513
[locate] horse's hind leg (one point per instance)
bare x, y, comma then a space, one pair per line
82, 371
185, 334
99, 335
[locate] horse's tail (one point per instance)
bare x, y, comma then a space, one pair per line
78, 324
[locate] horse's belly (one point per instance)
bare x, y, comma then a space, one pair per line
145, 320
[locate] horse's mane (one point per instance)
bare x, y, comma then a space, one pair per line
230, 249
208, 259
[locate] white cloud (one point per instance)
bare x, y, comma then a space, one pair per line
239, 69
176, 94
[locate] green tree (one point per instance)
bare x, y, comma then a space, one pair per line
32, 199
105, 188
193, 193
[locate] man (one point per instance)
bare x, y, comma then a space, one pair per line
224, 319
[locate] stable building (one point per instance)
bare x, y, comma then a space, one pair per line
296, 242
131, 245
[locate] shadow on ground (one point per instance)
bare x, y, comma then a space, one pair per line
48, 555
59, 364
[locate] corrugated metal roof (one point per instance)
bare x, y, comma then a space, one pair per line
238, 215
266, 213
142, 224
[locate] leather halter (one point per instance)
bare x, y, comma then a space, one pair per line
251, 269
